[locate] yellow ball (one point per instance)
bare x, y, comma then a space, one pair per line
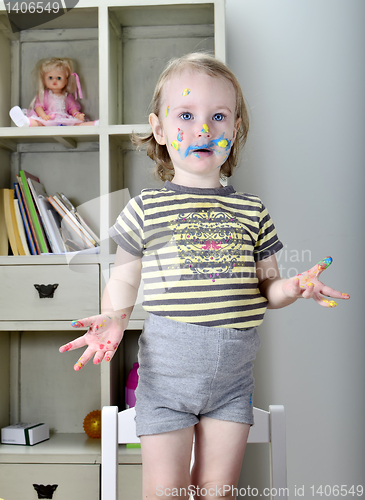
92, 424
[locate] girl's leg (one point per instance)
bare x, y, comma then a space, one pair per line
219, 450
166, 464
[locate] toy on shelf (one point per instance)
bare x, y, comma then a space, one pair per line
92, 424
54, 103
131, 386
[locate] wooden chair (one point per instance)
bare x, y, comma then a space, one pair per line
119, 428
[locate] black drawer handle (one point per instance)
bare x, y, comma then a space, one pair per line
46, 291
45, 491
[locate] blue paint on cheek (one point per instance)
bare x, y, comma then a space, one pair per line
223, 145
184, 154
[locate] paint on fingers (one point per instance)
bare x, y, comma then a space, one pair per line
323, 264
77, 324
329, 303
66, 347
78, 365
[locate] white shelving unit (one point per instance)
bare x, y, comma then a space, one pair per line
120, 48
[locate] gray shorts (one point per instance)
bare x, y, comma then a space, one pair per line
186, 371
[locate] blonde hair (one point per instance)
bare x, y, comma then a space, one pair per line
44, 66
207, 64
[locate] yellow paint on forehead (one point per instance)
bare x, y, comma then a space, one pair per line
186, 92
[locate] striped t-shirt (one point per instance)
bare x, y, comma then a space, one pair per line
198, 249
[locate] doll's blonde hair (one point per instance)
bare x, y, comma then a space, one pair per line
44, 66
207, 64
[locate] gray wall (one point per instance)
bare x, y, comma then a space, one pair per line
301, 67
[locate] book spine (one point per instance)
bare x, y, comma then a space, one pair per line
4, 240
21, 228
15, 223
33, 213
9, 222
42, 205
31, 225
23, 213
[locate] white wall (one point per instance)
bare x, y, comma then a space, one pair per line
302, 69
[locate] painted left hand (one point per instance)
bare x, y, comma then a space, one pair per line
307, 286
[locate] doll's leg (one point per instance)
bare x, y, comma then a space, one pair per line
35, 123
20, 120
166, 464
219, 449
87, 124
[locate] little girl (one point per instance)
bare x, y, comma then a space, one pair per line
54, 103
207, 254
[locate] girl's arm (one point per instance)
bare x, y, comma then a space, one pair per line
121, 290
282, 292
105, 331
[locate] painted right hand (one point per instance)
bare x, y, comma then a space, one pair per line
308, 286
103, 337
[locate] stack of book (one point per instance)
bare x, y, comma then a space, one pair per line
33, 223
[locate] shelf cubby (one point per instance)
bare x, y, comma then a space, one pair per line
119, 49
142, 40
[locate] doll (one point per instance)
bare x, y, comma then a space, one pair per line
54, 103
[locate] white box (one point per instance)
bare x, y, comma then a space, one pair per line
25, 434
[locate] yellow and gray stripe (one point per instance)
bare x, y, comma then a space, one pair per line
198, 249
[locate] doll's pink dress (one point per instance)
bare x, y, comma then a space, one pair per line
57, 106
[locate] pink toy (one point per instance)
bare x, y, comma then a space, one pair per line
54, 103
131, 386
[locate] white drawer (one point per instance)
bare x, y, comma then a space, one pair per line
74, 482
76, 296
129, 482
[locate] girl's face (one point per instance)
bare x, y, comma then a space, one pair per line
198, 126
56, 80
